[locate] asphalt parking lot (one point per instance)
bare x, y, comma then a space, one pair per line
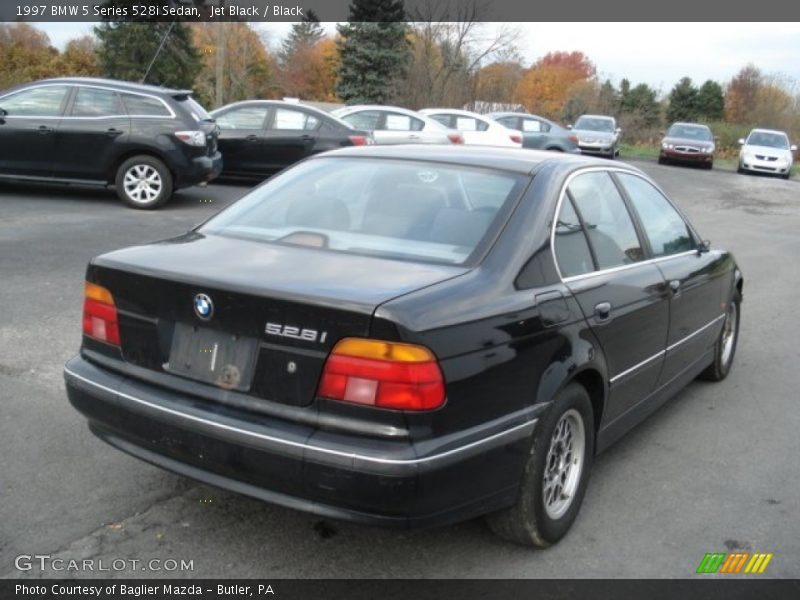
715, 470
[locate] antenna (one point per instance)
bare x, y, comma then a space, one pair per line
160, 46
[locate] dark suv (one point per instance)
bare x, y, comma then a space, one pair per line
147, 141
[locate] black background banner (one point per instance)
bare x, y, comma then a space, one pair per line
436, 10
397, 589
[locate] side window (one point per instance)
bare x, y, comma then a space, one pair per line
531, 125
445, 120
397, 122
572, 250
94, 102
608, 223
665, 228
42, 101
145, 106
294, 120
246, 117
365, 119
511, 122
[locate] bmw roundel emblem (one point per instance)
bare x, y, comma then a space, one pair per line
203, 306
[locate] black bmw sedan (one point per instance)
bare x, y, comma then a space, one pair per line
258, 138
408, 336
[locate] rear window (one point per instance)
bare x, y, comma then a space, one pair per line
406, 210
195, 108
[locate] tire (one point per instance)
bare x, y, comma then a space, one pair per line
662, 160
725, 347
611, 155
740, 170
786, 175
534, 520
709, 166
143, 182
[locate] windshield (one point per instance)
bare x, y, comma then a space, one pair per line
769, 139
399, 209
690, 132
595, 124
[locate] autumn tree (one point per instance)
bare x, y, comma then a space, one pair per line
374, 51
80, 58
456, 59
26, 54
742, 94
247, 70
544, 87
496, 82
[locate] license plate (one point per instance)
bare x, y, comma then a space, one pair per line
212, 356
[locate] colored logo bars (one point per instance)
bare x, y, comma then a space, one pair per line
736, 562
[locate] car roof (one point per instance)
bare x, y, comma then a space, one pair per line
286, 103
610, 118
121, 85
379, 107
506, 159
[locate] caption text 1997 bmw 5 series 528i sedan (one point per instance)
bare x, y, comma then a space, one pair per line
408, 336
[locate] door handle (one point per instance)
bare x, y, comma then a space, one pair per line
251, 138
44, 129
413, 137
113, 132
675, 286
602, 311
306, 138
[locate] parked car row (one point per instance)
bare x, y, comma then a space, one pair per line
150, 141
764, 150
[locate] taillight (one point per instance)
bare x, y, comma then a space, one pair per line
573, 138
517, 139
455, 138
383, 374
193, 138
359, 140
100, 314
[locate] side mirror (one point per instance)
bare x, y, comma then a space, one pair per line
741, 142
793, 148
569, 126
618, 130
704, 246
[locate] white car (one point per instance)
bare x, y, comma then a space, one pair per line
478, 130
395, 125
767, 151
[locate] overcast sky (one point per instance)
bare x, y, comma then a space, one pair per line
654, 53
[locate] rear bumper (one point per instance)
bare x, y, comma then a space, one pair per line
198, 169
343, 476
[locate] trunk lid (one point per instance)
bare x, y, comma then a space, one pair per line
277, 309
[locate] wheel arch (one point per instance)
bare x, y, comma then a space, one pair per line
117, 163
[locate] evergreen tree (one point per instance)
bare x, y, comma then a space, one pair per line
641, 100
608, 100
710, 101
682, 102
126, 49
304, 35
374, 51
